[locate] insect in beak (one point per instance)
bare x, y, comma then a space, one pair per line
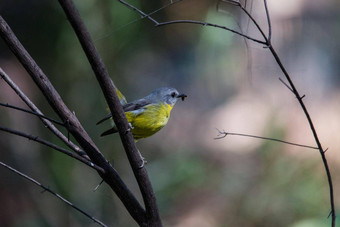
182, 96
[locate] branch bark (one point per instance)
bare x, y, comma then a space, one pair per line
116, 109
268, 44
110, 175
52, 192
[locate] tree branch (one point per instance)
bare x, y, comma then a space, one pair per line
111, 176
268, 44
118, 115
55, 147
223, 134
268, 21
52, 192
312, 127
158, 24
31, 112
35, 109
209, 25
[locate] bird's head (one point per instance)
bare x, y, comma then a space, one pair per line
167, 95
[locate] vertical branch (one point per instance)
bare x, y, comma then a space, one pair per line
116, 109
268, 21
311, 125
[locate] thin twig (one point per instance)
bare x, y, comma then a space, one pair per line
255, 23
141, 18
209, 25
35, 109
52, 192
268, 21
248, 50
243, 8
138, 10
148, 15
223, 134
284, 83
158, 24
33, 113
55, 147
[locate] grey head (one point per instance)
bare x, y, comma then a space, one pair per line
167, 95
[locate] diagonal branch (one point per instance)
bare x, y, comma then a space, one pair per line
55, 147
268, 21
35, 109
107, 86
31, 112
312, 127
158, 24
52, 192
209, 25
111, 176
139, 11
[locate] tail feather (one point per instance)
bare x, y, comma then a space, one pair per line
104, 119
108, 132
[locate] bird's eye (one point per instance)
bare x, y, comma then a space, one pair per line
173, 94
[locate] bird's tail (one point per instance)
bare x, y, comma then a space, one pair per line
108, 132
121, 97
122, 101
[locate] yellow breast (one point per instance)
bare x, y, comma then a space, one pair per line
150, 120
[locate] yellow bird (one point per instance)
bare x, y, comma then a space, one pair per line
147, 115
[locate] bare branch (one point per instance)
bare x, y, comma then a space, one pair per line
291, 86
223, 134
284, 83
111, 176
139, 11
141, 18
209, 25
312, 127
268, 21
108, 88
35, 109
144, 15
31, 112
55, 147
52, 192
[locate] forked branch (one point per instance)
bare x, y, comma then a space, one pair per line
268, 44
47, 189
110, 175
118, 115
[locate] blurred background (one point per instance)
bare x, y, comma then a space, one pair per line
232, 85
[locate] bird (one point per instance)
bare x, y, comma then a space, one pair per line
147, 115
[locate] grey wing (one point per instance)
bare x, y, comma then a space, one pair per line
136, 105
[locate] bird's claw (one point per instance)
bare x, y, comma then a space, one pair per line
143, 160
129, 128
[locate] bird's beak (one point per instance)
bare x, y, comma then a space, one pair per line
182, 96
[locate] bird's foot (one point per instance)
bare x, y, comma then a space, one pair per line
143, 160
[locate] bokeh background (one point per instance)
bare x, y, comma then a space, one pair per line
232, 85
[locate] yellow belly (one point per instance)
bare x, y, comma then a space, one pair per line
152, 119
